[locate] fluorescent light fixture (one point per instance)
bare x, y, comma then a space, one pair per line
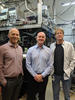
4, 10
69, 3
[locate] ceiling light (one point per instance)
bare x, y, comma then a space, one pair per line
69, 3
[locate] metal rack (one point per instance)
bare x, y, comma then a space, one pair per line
21, 27
37, 25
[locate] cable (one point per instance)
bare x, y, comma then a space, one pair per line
28, 8
62, 12
65, 10
70, 21
53, 6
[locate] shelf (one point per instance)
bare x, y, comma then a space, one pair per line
21, 27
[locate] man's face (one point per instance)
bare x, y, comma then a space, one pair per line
59, 35
41, 38
14, 36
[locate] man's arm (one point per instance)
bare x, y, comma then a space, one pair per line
29, 63
49, 68
2, 78
72, 61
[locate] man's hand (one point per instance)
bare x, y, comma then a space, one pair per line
4, 83
38, 78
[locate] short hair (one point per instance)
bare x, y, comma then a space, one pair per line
59, 29
12, 30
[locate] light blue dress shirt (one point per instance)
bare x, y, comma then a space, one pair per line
39, 60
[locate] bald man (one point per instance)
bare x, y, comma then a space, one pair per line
39, 65
11, 66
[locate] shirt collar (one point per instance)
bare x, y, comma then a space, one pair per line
62, 43
38, 46
11, 45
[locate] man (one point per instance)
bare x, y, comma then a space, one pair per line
39, 65
11, 66
64, 59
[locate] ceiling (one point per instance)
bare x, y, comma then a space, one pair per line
60, 14
64, 14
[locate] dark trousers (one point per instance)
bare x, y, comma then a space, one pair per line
36, 89
12, 88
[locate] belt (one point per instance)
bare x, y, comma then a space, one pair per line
16, 77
